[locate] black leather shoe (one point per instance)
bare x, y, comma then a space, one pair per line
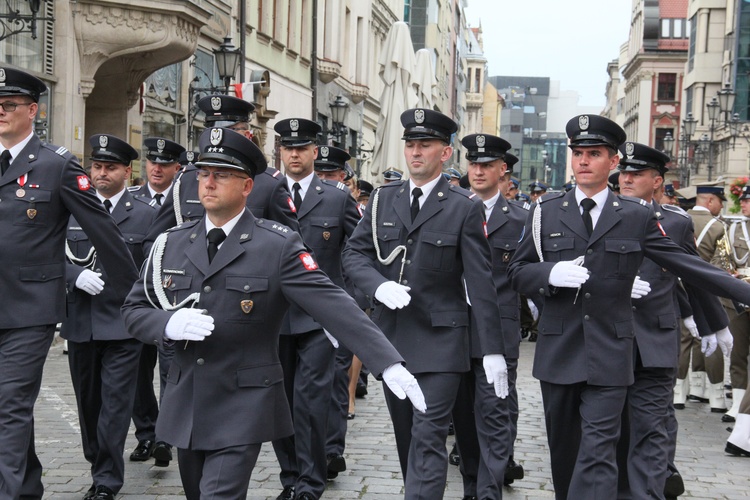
350, 416
532, 337
162, 454
727, 418
451, 431
90, 493
143, 451
736, 450
103, 493
305, 496
287, 494
679, 406
453, 457
512, 472
361, 391
469, 497
696, 399
674, 486
718, 410
524, 333
336, 463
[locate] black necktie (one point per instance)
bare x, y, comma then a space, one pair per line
108, 205
5, 160
587, 204
158, 197
297, 196
416, 193
215, 237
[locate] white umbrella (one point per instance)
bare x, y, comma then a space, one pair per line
424, 79
397, 65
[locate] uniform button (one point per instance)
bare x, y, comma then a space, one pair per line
32, 198
587, 295
266, 381
634, 308
156, 342
246, 288
554, 246
385, 238
586, 317
207, 289
439, 242
622, 247
405, 282
589, 251
44, 276
325, 224
408, 261
172, 286
541, 290
453, 322
200, 361
507, 245
130, 239
98, 269
410, 241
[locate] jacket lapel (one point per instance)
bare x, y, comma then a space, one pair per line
312, 197
23, 163
571, 215
432, 205
402, 204
123, 208
499, 215
197, 251
608, 218
231, 248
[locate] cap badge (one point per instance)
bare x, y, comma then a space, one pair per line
103, 141
190, 156
629, 148
294, 125
419, 116
324, 152
160, 143
481, 140
216, 103
583, 122
2, 77
216, 136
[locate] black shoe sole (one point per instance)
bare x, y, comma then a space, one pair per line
337, 464
736, 450
727, 419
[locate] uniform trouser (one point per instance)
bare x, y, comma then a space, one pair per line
146, 407
217, 474
467, 442
527, 319
494, 428
307, 361
339, 402
643, 450
739, 325
22, 355
690, 347
420, 437
583, 427
104, 373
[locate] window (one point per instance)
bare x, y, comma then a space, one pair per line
691, 49
674, 28
407, 11
667, 87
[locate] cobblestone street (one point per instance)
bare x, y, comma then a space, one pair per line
373, 470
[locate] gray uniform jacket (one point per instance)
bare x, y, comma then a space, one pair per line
444, 245
504, 228
98, 317
587, 335
227, 390
33, 221
327, 217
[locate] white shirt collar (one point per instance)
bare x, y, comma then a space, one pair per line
227, 228
114, 199
16, 150
426, 189
600, 198
153, 193
304, 184
490, 203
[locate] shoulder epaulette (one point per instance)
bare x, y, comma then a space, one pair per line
633, 199
675, 209
549, 196
61, 151
149, 202
133, 188
273, 227
460, 190
184, 225
391, 185
523, 205
58, 150
336, 184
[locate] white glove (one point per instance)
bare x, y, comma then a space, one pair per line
640, 288
533, 309
567, 274
393, 295
90, 282
708, 344
497, 373
725, 340
689, 323
189, 324
333, 340
402, 384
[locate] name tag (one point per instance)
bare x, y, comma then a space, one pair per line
556, 235
181, 272
389, 224
198, 202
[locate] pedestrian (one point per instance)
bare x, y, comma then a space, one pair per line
418, 251
218, 289
41, 185
103, 357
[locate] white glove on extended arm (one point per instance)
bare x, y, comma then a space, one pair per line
497, 373
90, 282
393, 295
189, 324
725, 340
708, 344
567, 274
533, 309
689, 323
403, 384
333, 340
640, 288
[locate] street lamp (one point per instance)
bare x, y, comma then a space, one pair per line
545, 156
339, 110
689, 124
227, 60
21, 23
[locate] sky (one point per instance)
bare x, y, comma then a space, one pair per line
567, 40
